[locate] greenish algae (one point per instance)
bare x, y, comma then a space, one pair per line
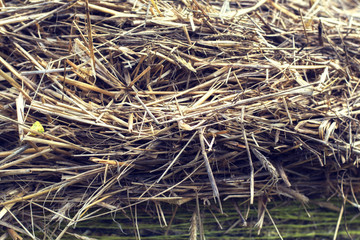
291, 220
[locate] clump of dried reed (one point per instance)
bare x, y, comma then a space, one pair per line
174, 101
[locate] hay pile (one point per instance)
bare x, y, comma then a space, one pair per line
174, 101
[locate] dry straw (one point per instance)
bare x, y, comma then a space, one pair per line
173, 101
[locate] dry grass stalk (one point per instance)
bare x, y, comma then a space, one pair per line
193, 227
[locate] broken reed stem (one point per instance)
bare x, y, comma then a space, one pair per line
90, 38
208, 168
252, 181
24, 159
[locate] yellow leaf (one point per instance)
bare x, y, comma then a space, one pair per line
37, 127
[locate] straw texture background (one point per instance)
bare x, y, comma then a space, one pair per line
174, 101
